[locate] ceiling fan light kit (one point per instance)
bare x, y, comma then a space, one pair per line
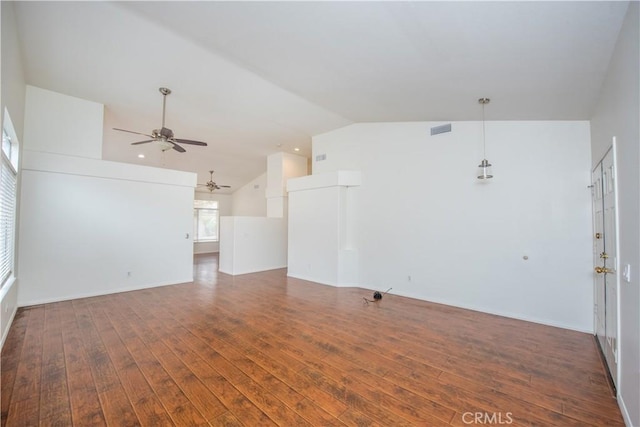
484, 166
164, 136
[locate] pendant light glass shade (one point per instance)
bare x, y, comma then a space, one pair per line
485, 167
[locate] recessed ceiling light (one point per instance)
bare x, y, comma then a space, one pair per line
296, 149
141, 156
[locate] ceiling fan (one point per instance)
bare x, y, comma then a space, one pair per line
211, 185
164, 136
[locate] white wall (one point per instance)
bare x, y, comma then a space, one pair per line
320, 220
12, 98
250, 199
252, 244
90, 227
255, 237
617, 115
224, 209
81, 137
314, 221
427, 227
280, 168
12, 75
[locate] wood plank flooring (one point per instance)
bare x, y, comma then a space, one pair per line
263, 349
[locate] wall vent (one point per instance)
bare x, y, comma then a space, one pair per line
440, 129
321, 157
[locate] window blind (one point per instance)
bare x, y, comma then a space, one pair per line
7, 218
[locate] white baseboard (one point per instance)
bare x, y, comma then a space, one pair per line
465, 306
97, 293
5, 333
237, 273
509, 315
624, 411
310, 279
314, 280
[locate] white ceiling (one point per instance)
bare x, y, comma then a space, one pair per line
254, 78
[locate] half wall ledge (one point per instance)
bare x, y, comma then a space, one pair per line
322, 180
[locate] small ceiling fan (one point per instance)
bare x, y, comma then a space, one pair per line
164, 136
211, 185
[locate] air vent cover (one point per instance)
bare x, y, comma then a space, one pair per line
440, 129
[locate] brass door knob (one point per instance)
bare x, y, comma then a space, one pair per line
603, 270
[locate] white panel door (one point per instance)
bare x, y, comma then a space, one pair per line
598, 248
606, 260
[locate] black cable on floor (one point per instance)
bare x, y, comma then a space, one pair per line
377, 296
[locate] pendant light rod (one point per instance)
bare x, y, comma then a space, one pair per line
484, 101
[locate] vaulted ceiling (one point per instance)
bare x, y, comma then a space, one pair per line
255, 78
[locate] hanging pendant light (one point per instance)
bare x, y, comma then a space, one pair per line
484, 166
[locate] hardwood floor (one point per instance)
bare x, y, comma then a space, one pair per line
262, 349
